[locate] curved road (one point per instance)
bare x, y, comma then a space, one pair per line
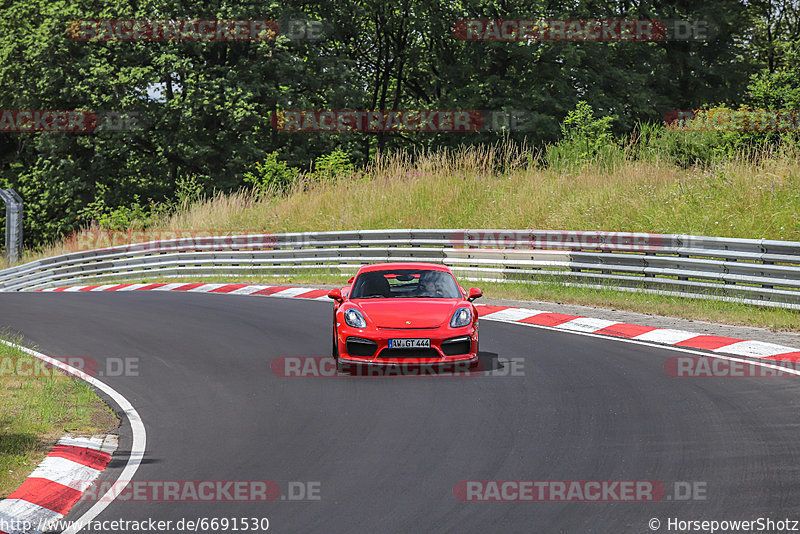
388, 451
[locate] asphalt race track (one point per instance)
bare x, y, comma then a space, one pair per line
388, 451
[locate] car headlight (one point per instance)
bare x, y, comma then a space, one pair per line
462, 317
354, 318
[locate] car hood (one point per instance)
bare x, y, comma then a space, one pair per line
420, 313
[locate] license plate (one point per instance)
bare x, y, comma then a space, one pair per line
409, 343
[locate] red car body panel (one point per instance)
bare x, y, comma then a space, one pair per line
404, 318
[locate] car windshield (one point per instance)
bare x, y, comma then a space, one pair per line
405, 283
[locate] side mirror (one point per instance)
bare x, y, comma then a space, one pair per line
351, 279
336, 294
474, 293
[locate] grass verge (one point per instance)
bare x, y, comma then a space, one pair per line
37, 406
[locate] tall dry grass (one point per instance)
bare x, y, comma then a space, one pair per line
494, 187
503, 186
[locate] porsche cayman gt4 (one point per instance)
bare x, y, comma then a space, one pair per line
404, 313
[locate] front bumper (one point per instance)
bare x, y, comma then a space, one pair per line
371, 346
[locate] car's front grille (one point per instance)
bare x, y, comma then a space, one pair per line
408, 327
361, 347
455, 346
408, 353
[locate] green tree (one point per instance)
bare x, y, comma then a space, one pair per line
207, 105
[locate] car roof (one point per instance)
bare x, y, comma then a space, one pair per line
409, 265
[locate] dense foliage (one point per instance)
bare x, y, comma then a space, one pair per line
204, 108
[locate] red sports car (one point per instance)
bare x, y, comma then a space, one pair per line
404, 313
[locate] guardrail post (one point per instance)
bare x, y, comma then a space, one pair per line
13, 224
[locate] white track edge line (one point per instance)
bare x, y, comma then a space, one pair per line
660, 346
137, 429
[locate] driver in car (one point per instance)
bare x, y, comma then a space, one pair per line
430, 285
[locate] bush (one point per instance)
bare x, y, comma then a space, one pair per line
333, 165
712, 136
585, 140
107, 217
271, 176
680, 147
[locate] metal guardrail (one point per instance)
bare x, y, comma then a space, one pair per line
753, 271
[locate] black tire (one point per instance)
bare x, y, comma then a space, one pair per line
334, 347
341, 368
